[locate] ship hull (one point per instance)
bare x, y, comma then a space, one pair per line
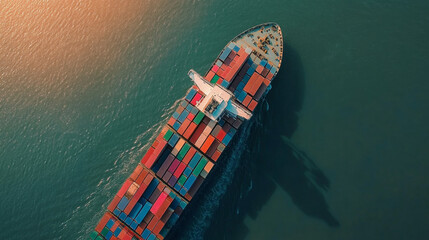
190, 146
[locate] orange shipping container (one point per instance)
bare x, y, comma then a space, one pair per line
270, 76
152, 223
136, 172
266, 82
114, 203
216, 155
208, 166
147, 155
247, 100
171, 121
124, 188
102, 223
251, 82
191, 128
156, 153
158, 227
139, 230
209, 76
207, 143
142, 176
252, 105
189, 155
256, 85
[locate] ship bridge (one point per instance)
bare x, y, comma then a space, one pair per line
218, 100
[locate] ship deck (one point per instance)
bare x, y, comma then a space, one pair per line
189, 146
266, 40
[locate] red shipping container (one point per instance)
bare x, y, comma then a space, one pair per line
259, 69
152, 223
102, 223
189, 155
190, 116
160, 237
221, 135
266, 82
156, 153
139, 230
190, 130
227, 70
114, 203
270, 76
147, 155
242, 52
158, 227
231, 73
179, 170
183, 127
216, 155
210, 75
256, 85
171, 121
247, 100
252, 105
161, 187
136, 172
124, 188
174, 165
251, 82
164, 207
122, 234
148, 179
220, 73
196, 98
215, 68
154, 209
142, 176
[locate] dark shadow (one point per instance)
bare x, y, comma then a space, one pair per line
271, 160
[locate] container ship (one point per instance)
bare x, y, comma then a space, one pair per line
173, 169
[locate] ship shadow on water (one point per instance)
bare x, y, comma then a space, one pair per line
272, 161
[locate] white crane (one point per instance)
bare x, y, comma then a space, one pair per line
217, 100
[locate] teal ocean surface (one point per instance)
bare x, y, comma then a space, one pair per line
339, 150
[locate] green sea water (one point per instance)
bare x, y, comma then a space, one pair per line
339, 150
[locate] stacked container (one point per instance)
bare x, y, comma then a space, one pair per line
227, 65
146, 205
175, 166
248, 78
